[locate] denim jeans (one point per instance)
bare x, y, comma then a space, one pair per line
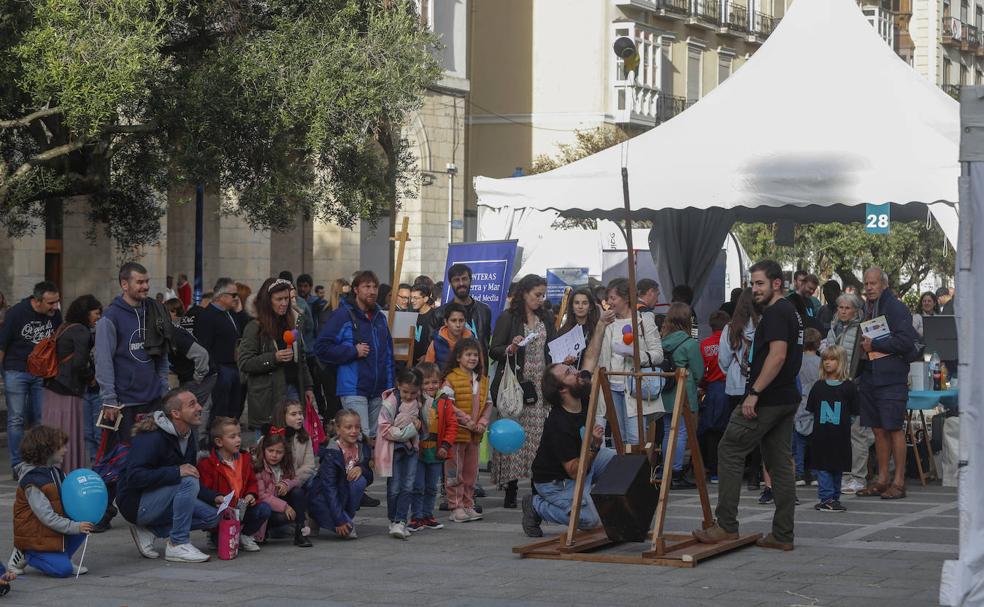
828, 485
56, 564
554, 500
23, 408
174, 510
226, 396
368, 410
91, 405
681, 446
399, 487
799, 452
425, 488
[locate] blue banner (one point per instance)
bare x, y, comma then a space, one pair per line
558, 279
491, 266
878, 218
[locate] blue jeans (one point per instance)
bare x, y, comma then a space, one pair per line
23, 405
91, 405
56, 564
368, 410
425, 488
174, 510
828, 485
399, 487
799, 452
554, 500
226, 396
681, 446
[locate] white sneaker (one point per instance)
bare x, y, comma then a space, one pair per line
184, 553
852, 486
352, 535
459, 515
79, 569
144, 539
17, 562
473, 514
248, 543
399, 531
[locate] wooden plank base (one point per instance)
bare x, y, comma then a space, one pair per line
681, 550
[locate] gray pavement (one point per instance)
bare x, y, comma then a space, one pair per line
877, 553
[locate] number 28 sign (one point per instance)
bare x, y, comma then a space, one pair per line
877, 218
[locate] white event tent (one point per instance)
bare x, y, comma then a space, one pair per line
807, 131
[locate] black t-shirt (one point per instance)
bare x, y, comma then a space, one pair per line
779, 322
832, 407
561, 442
21, 330
290, 367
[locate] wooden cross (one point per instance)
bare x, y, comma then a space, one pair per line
403, 236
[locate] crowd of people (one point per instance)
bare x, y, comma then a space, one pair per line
292, 400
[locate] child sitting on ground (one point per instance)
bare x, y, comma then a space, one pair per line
44, 537
344, 474
473, 408
396, 449
279, 487
439, 427
227, 469
833, 400
289, 415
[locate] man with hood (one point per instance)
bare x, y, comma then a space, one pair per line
159, 491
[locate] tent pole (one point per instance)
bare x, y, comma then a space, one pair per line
633, 301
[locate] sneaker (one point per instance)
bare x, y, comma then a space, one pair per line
17, 562
766, 497
800, 480
714, 479
432, 523
248, 543
477, 508
531, 520
770, 541
458, 515
415, 524
79, 569
680, 481
473, 515
831, 506
852, 486
184, 553
368, 501
444, 506
144, 539
398, 531
352, 535
713, 535
797, 500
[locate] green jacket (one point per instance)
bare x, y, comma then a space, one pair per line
266, 381
686, 354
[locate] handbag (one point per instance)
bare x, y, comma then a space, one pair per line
229, 529
109, 464
511, 396
312, 423
653, 386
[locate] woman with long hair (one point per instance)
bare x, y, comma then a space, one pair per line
64, 405
681, 348
274, 368
339, 289
582, 312
521, 334
928, 305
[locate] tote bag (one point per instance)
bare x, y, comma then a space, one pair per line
510, 398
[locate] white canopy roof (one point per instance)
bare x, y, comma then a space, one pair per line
806, 125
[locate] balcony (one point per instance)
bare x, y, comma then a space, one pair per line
952, 90
735, 20
761, 26
971, 39
952, 31
644, 105
705, 13
674, 9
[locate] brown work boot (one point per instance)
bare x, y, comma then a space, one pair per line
714, 535
770, 541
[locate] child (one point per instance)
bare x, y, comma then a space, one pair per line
278, 485
451, 333
473, 407
832, 402
289, 415
439, 429
344, 474
396, 447
803, 422
229, 469
714, 409
44, 537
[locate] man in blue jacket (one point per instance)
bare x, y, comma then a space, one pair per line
884, 382
159, 492
357, 340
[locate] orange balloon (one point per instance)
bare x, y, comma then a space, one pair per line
627, 338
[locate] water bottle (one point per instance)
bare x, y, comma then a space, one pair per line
934, 370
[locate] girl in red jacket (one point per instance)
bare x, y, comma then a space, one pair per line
279, 486
437, 434
228, 469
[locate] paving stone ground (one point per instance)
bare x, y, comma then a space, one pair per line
877, 553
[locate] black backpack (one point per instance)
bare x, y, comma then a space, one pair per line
667, 366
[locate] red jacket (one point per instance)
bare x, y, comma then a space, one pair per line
709, 350
222, 478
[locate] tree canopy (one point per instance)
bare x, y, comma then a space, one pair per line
292, 105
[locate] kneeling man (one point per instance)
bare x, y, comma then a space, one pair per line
555, 466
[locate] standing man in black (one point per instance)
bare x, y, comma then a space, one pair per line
765, 416
216, 330
478, 316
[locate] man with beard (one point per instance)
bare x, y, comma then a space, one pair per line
765, 416
556, 463
357, 340
478, 316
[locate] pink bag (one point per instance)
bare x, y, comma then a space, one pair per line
229, 528
312, 423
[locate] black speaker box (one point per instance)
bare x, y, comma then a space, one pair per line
625, 498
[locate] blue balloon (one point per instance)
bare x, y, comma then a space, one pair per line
84, 496
506, 436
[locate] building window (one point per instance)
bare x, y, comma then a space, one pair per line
694, 56
979, 18
947, 68
724, 68
964, 11
666, 69
963, 75
979, 78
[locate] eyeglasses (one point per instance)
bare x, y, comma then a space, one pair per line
233, 294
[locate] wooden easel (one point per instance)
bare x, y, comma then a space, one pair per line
667, 549
402, 237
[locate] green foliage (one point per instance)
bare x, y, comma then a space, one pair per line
290, 106
908, 254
